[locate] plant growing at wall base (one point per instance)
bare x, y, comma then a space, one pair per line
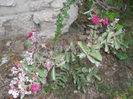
43, 69
103, 33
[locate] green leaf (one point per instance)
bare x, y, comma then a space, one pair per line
93, 26
72, 47
106, 48
79, 86
117, 45
93, 56
94, 70
81, 55
67, 57
84, 70
92, 60
109, 36
29, 68
41, 79
31, 76
73, 57
89, 78
97, 55
62, 64
118, 26
122, 56
53, 74
41, 72
98, 77
58, 58
45, 72
119, 32
28, 43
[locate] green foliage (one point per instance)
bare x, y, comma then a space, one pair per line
61, 17
79, 79
118, 26
109, 37
28, 44
41, 72
53, 74
73, 69
111, 15
61, 79
89, 3
92, 53
112, 39
122, 56
72, 66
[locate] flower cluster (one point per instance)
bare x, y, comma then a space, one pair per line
35, 88
105, 21
33, 36
96, 20
31, 72
18, 84
21, 85
28, 58
48, 64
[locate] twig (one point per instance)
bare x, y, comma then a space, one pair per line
106, 7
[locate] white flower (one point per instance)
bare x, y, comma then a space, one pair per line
14, 70
28, 92
19, 86
13, 82
14, 93
28, 58
115, 22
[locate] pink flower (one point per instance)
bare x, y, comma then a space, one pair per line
30, 34
34, 78
105, 21
95, 20
34, 31
18, 65
30, 49
35, 88
48, 65
93, 10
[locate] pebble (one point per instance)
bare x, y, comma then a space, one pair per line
8, 43
4, 60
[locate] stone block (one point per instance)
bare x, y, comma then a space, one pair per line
18, 17
16, 25
7, 3
57, 3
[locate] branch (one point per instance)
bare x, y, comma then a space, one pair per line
106, 7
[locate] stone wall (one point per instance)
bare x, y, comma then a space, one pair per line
19, 17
